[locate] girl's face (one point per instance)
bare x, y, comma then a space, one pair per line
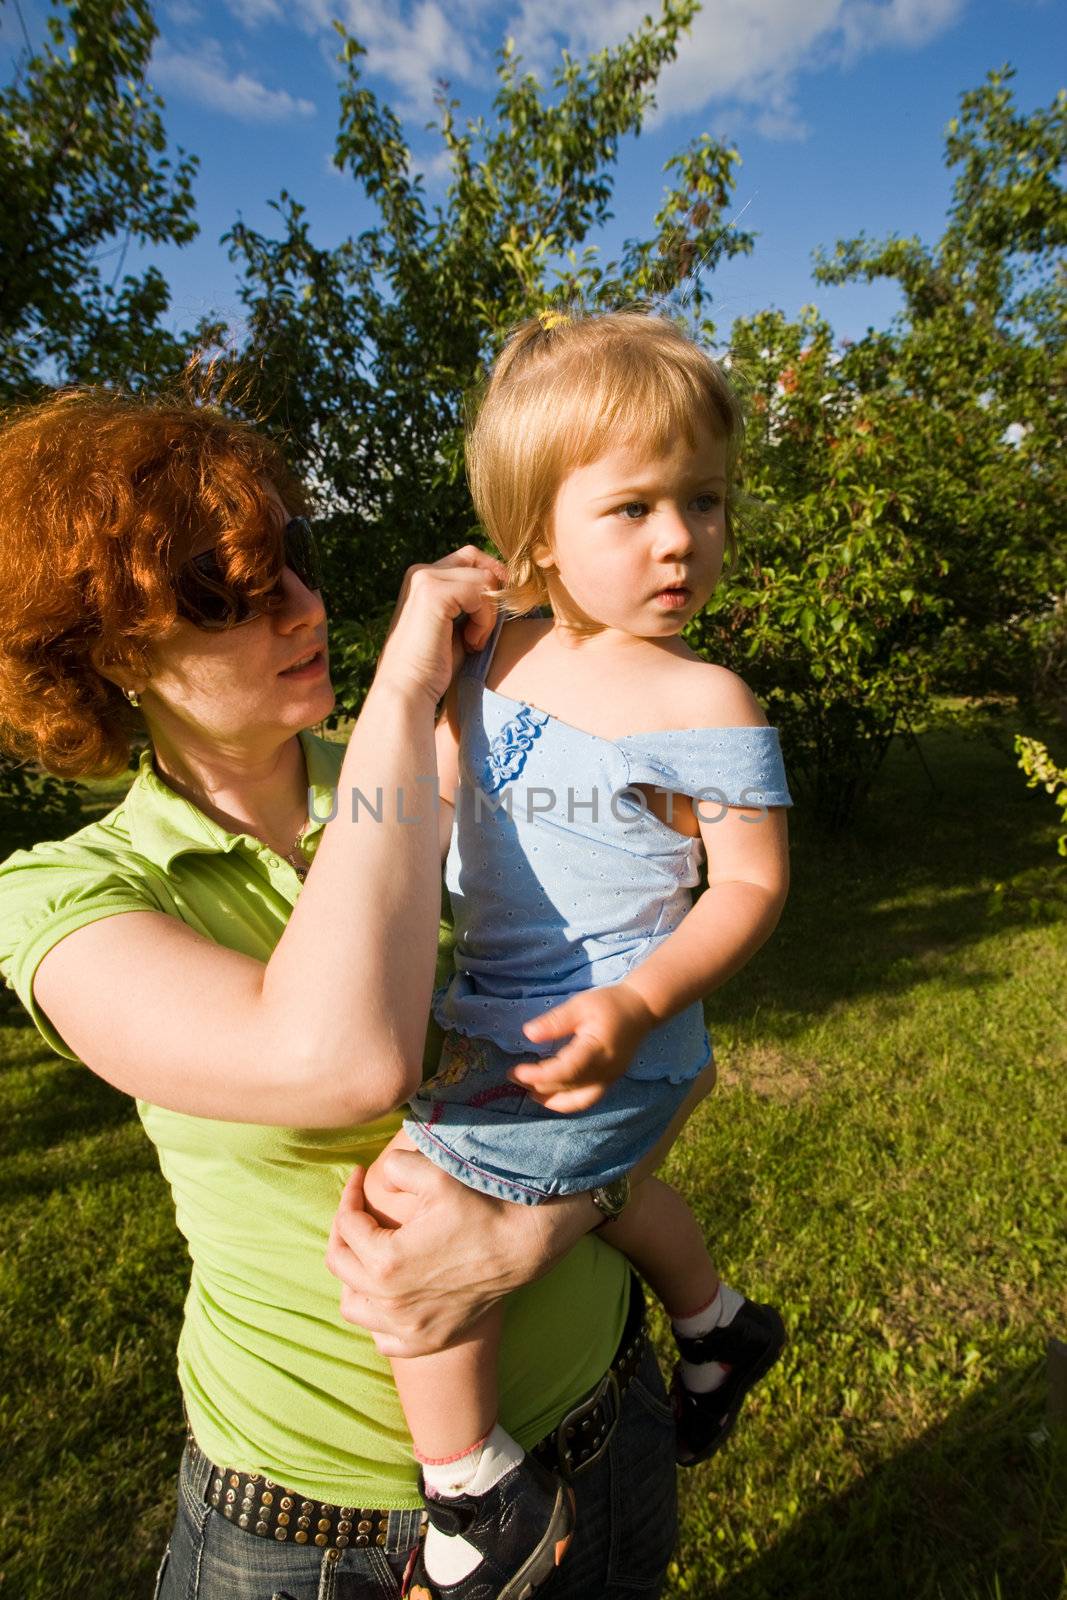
637, 541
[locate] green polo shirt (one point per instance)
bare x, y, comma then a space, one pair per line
274, 1381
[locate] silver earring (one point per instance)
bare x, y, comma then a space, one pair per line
131, 695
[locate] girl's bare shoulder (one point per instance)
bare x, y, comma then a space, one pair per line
706, 695
517, 637
520, 631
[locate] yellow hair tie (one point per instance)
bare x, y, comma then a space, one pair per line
551, 319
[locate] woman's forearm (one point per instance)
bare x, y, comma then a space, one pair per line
351, 978
347, 989
421, 1286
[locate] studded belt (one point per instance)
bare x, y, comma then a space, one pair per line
259, 1505
581, 1437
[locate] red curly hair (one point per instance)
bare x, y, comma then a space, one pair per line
102, 497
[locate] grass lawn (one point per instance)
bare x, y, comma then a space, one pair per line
884, 1159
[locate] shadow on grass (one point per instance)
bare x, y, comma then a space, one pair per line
968, 1512
55, 1119
66, 1100
104, 1439
13, 1013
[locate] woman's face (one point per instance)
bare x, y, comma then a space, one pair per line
243, 686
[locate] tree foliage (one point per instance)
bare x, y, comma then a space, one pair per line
905, 490
979, 372
1041, 771
835, 601
909, 537
84, 171
901, 526
363, 354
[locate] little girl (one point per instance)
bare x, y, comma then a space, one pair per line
600, 464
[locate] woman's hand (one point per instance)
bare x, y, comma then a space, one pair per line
421, 1286
607, 1026
423, 646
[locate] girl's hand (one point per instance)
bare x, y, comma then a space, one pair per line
422, 1286
423, 646
608, 1025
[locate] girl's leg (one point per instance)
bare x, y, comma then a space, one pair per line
660, 1235
449, 1397
517, 1517
658, 1232
726, 1342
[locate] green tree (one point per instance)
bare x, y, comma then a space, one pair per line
834, 604
1041, 771
909, 489
85, 173
978, 376
364, 353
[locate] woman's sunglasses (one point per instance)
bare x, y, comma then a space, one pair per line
205, 599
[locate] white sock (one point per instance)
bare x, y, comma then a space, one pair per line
449, 1557
700, 1377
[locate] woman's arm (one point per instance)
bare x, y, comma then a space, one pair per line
446, 738
419, 1287
330, 1031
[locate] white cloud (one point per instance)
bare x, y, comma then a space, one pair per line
870, 23
413, 55
739, 55
254, 12
413, 46
183, 12
436, 170
745, 53
203, 74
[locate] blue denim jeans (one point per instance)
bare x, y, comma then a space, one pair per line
622, 1543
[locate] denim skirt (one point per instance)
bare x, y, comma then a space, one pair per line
491, 1134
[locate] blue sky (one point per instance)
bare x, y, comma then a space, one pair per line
837, 106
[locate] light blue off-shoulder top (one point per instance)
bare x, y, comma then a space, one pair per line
560, 877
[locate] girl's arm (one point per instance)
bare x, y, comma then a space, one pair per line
748, 880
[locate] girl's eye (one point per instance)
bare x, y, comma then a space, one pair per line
633, 510
706, 503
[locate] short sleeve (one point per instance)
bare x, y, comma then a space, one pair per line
46, 893
743, 766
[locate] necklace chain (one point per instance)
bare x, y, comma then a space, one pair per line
295, 854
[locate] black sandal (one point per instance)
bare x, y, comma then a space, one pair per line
748, 1346
521, 1527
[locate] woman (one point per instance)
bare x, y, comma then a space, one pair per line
259, 979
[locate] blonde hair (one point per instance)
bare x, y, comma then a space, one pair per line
563, 392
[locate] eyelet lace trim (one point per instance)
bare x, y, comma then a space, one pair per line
508, 751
